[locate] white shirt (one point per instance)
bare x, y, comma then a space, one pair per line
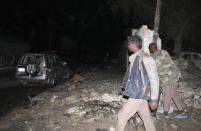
151, 69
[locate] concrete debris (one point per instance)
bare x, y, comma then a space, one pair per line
191, 96
94, 94
4, 126
71, 99
94, 106
53, 99
147, 36
175, 127
92, 100
111, 128
197, 102
111, 97
73, 110
77, 78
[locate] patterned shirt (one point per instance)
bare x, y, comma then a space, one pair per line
168, 72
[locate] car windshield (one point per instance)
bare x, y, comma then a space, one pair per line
36, 59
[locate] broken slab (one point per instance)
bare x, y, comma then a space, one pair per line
111, 97
77, 78
147, 37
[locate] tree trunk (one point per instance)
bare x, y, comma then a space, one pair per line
157, 20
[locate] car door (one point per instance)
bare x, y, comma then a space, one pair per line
49, 66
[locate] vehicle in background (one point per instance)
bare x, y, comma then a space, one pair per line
42, 68
185, 58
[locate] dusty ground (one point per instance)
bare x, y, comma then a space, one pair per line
89, 102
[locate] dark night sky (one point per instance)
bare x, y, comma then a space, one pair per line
92, 25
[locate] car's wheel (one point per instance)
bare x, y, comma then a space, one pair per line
33, 69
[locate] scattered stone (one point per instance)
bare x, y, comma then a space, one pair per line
93, 94
111, 97
73, 110
197, 102
111, 128
175, 127
71, 99
76, 118
57, 128
50, 124
53, 99
4, 126
77, 78
91, 101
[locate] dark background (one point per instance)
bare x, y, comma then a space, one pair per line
82, 29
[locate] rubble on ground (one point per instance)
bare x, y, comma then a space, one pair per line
91, 100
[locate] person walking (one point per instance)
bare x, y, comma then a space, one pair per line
169, 75
141, 74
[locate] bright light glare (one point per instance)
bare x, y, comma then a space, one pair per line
21, 69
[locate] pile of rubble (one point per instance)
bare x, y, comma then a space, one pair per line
99, 99
190, 86
95, 108
69, 104
96, 100
94, 103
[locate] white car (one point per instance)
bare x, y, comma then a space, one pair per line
183, 60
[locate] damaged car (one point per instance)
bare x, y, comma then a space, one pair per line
188, 57
42, 68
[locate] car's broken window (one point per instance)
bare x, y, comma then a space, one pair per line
27, 59
31, 59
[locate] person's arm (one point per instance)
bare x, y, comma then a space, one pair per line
151, 69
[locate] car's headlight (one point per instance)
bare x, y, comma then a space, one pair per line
21, 69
